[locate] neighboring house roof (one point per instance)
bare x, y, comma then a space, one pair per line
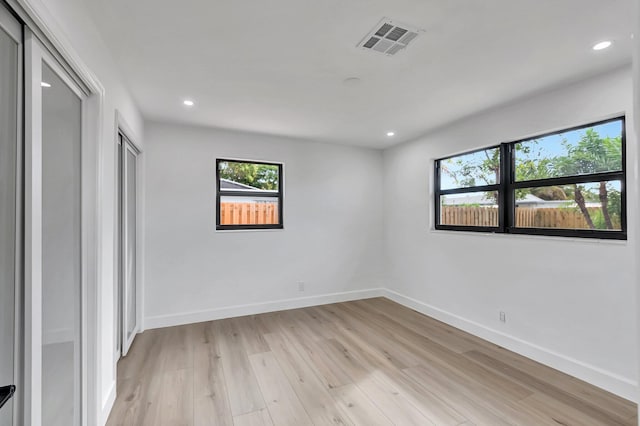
462, 199
229, 184
529, 200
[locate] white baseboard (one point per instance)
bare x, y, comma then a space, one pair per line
607, 380
59, 335
108, 403
258, 308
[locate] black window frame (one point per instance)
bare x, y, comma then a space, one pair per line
507, 186
279, 194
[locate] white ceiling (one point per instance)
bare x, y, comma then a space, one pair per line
278, 66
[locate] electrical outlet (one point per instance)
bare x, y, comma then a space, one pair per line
503, 317
300, 285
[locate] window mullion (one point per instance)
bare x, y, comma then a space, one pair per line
570, 180
484, 188
506, 197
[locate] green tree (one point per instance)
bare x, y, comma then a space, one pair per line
592, 154
474, 169
260, 176
484, 169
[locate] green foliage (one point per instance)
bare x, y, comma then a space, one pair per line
475, 169
531, 164
591, 154
259, 176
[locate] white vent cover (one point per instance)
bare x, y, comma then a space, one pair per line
389, 37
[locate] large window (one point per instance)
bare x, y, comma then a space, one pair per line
567, 183
248, 195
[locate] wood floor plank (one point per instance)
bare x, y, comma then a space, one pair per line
433, 352
211, 398
177, 348
174, 404
433, 406
560, 413
359, 407
256, 418
366, 362
376, 335
366, 374
243, 390
317, 401
310, 349
578, 388
547, 389
450, 337
391, 400
470, 402
252, 333
282, 402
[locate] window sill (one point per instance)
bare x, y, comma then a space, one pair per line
530, 237
224, 231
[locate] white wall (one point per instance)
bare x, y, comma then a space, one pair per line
569, 302
332, 220
70, 22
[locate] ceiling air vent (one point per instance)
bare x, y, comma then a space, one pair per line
389, 37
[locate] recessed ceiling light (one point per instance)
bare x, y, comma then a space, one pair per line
188, 102
44, 84
391, 134
602, 45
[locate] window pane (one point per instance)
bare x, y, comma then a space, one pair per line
469, 209
239, 176
249, 211
474, 169
595, 205
594, 149
61, 251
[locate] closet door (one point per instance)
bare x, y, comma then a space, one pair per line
55, 275
129, 244
10, 120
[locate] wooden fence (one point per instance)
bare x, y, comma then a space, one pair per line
249, 213
267, 214
525, 217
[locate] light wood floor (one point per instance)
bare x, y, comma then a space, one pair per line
370, 362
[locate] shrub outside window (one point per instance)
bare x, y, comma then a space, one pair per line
566, 183
248, 195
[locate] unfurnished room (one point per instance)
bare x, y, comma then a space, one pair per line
354, 212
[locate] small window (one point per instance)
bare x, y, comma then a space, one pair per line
567, 183
248, 195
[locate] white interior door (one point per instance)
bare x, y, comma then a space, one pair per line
128, 264
119, 256
10, 125
55, 279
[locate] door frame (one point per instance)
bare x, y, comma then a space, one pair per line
121, 126
122, 147
14, 28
